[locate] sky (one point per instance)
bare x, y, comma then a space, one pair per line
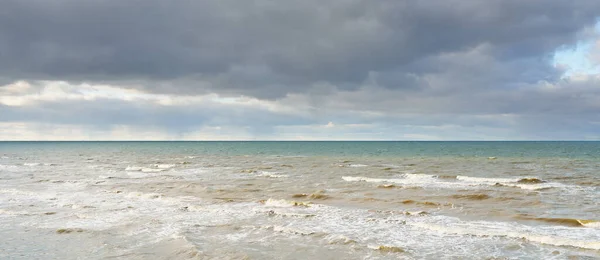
299, 70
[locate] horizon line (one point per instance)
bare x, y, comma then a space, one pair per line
258, 140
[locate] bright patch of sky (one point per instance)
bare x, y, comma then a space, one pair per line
578, 59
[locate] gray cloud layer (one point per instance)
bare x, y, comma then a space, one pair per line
278, 47
438, 60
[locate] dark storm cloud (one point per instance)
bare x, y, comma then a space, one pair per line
269, 48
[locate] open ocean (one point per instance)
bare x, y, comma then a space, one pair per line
299, 200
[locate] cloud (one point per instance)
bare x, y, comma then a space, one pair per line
568, 110
351, 69
268, 49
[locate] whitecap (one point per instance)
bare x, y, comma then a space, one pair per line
483, 180
144, 195
467, 182
143, 169
271, 174
590, 223
31, 164
133, 168
286, 203
163, 166
496, 229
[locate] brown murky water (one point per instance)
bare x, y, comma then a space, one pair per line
180, 205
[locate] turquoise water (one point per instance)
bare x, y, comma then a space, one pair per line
564, 149
300, 200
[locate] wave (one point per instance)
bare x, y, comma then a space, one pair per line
32, 164
471, 196
492, 231
38, 164
293, 231
571, 222
589, 183
143, 169
447, 177
357, 165
144, 195
425, 203
397, 212
388, 186
530, 180
340, 240
314, 196
342, 228
484, 180
388, 249
289, 214
435, 181
366, 179
590, 223
522, 183
286, 203
271, 174
260, 172
163, 166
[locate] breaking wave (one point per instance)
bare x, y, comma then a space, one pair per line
471, 230
434, 181
572, 222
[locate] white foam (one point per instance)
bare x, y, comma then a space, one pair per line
133, 168
465, 182
2, 166
358, 165
503, 230
144, 195
279, 203
537, 186
285, 203
31, 164
488, 181
271, 174
419, 176
419, 233
293, 215
593, 224
143, 169
366, 179
511, 182
164, 166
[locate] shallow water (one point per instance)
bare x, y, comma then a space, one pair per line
300, 200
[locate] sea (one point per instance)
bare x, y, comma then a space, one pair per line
299, 200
